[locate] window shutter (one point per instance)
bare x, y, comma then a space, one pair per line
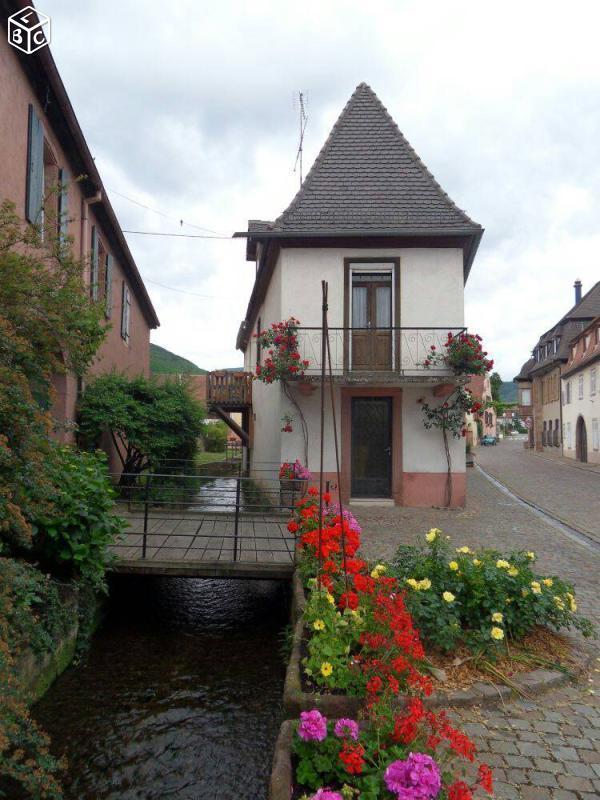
108, 286
127, 313
123, 311
34, 197
63, 204
94, 265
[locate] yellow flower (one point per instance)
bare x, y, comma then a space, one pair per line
413, 583
572, 603
476, 562
502, 564
378, 571
497, 616
547, 581
330, 598
326, 669
531, 555
508, 600
432, 535
453, 565
425, 584
449, 597
462, 550
524, 592
513, 572
497, 633
559, 603
319, 625
535, 587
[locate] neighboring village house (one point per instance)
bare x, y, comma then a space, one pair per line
42, 146
483, 422
581, 396
540, 377
371, 220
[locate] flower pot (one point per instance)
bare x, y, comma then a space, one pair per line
291, 490
306, 388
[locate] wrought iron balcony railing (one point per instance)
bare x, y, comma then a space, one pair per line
393, 350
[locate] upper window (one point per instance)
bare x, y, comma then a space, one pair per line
593, 380
525, 397
580, 387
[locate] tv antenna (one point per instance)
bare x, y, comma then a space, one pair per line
303, 121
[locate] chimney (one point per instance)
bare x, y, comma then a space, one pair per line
577, 287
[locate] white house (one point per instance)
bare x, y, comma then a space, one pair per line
581, 396
371, 220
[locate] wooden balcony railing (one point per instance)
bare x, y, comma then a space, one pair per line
229, 389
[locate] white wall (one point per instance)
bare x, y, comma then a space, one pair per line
422, 449
588, 408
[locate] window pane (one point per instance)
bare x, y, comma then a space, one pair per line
359, 306
383, 299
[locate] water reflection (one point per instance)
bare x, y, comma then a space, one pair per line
180, 695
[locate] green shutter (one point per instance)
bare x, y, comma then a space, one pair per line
108, 278
94, 265
34, 196
63, 204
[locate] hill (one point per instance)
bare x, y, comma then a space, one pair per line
164, 362
508, 392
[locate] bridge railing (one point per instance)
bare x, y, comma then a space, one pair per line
219, 517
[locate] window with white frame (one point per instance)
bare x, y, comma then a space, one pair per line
525, 397
593, 381
568, 391
580, 387
569, 436
596, 434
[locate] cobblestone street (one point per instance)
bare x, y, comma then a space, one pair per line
565, 488
548, 749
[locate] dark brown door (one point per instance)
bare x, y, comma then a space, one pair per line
372, 321
371, 459
581, 441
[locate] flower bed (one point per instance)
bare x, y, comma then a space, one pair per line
363, 648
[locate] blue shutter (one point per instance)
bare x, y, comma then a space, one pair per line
94, 265
34, 196
63, 204
108, 278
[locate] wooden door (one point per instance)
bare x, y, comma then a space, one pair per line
581, 441
372, 321
371, 457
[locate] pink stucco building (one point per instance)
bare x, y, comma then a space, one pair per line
42, 146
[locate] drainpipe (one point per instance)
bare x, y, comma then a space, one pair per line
85, 202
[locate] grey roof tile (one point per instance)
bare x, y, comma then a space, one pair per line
368, 177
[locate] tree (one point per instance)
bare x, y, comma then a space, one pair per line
215, 437
149, 423
496, 384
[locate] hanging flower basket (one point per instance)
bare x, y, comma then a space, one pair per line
293, 481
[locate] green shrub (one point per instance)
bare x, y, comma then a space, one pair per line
458, 597
215, 437
74, 537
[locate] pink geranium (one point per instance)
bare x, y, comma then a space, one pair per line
416, 778
326, 794
312, 726
346, 729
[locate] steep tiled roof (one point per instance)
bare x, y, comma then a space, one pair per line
565, 330
367, 177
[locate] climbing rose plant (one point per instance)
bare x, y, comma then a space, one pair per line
283, 360
450, 415
463, 354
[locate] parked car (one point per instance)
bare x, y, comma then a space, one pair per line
488, 439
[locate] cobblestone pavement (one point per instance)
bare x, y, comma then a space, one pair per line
569, 493
548, 749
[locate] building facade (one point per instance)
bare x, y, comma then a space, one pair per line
395, 251
483, 422
540, 377
581, 397
47, 171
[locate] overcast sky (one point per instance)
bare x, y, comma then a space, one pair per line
188, 108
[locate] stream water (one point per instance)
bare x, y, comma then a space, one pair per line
180, 695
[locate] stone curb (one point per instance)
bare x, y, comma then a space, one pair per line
295, 700
281, 782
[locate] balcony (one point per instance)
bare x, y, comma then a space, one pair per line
388, 354
229, 390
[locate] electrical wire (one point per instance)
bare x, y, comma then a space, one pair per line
179, 235
184, 291
162, 214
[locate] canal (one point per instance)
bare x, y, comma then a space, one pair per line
179, 696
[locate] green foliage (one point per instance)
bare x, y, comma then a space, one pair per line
496, 385
458, 597
164, 362
215, 437
74, 536
149, 423
26, 767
